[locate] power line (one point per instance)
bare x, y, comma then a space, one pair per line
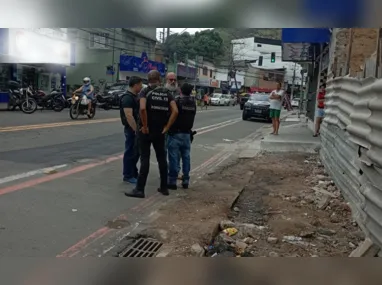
124, 49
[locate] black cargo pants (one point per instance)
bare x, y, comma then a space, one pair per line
158, 141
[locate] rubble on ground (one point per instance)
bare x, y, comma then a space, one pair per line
298, 212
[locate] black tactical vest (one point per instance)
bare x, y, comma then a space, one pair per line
158, 109
187, 111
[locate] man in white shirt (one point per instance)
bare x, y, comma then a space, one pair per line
276, 98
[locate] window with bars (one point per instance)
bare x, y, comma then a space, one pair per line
205, 71
147, 47
100, 41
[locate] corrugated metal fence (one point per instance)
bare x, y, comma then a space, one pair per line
352, 147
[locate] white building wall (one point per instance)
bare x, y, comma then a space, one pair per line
247, 49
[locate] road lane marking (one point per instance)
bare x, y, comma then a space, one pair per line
84, 167
40, 180
30, 173
54, 125
70, 123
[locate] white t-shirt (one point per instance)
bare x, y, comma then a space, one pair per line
276, 104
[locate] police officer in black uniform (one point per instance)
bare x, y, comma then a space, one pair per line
155, 105
179, 138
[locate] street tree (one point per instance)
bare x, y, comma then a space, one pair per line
207, 44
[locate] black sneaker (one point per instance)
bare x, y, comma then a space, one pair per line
185, 186
135, 194
163, 191
172, 187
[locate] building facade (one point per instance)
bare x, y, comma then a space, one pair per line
37, 57
99, 52
250, 50
259, 79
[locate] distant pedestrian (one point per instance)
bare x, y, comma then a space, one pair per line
154, 123
275, 107
320, 112
179, 138
129, 109
206, 98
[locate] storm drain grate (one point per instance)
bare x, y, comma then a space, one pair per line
142, 247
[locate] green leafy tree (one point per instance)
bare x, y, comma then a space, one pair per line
181, 44
205, 43
208, 44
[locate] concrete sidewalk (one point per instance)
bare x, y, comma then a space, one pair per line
296, 136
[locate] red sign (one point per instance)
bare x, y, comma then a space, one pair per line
215, 83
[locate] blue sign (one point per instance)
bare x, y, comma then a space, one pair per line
140, 64
305, 35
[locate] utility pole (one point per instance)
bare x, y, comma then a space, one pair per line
186, 66
233, 69
175, 64
168, 32
164, 35
293, 81
112, 61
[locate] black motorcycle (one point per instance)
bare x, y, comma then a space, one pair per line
80, 107
55, 101
108, 101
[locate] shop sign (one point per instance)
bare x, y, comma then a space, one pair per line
297, 52
203, 82
30, 47
233, 85
140, 64
184, 71
215, 83
224, 85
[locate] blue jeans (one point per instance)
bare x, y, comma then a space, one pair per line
167, 156
131, 155
179, 147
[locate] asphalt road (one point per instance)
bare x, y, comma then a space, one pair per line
61, 189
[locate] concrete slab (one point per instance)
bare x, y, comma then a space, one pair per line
366, 249
293, 138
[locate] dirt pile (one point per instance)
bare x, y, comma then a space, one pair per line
290, 208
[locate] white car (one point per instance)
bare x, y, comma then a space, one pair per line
217, 100
222, 100
295, 102
229, 100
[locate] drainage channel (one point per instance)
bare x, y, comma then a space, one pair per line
143, 247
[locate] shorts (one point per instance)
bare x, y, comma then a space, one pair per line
320, 113
274, 113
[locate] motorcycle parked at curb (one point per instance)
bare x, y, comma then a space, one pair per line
55, 101
80, 107
20, 97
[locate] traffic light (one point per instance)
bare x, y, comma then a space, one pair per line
273, 57
260, 60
